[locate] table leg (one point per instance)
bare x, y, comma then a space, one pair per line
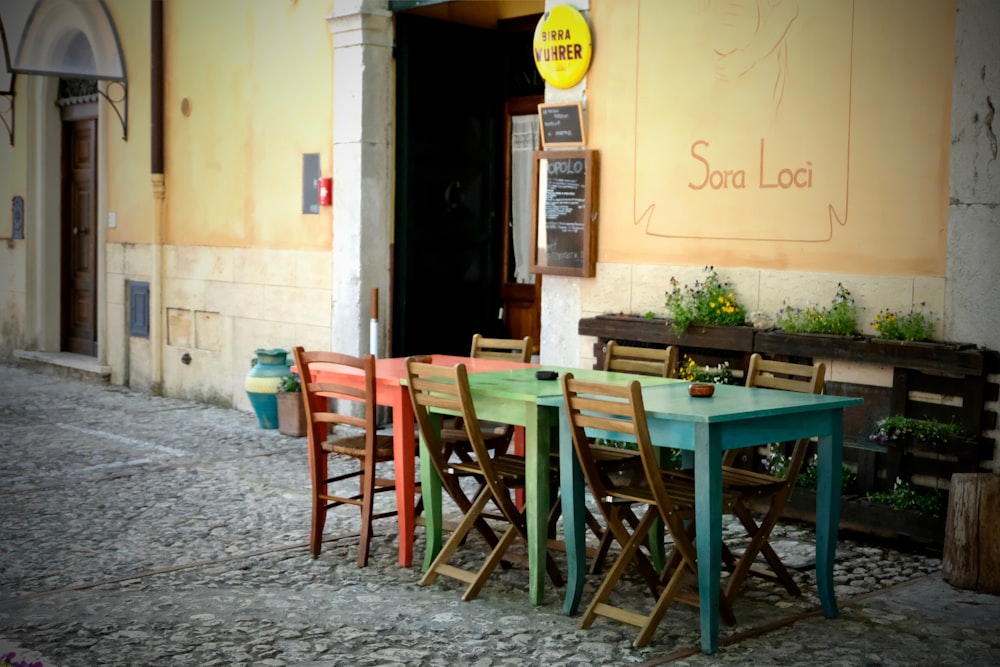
537, 432
574, 528
519, 451
829, 466
708, 527
404, 469
430, 489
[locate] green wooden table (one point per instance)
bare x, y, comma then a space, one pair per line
734, 417
518, 397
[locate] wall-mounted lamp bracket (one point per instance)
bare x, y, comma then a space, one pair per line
7, 114
119, 103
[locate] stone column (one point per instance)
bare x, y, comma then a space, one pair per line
562, 301
363, 104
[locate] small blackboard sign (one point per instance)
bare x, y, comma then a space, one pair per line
562, 124
564, 217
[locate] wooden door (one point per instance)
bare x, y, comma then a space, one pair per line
520, 290
447, 248
524, 90
79, 230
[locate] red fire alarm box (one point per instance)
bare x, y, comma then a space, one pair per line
325, 191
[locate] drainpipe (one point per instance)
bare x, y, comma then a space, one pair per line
156, 320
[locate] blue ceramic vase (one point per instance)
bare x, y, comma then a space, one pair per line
262, 384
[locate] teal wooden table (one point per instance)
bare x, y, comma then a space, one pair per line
518, 397
734, 417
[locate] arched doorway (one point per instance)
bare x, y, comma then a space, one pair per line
49, 43
78, 217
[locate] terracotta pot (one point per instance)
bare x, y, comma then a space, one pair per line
291, 413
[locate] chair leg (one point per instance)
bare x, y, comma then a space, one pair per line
758, 545
605, 537
319, 484
318, 523
676, 561
494, 559
440, 563
598, 606
668, 595
367, 505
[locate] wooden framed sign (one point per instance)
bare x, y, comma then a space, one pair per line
562, 124
564, 215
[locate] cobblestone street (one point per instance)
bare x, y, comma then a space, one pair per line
140, 530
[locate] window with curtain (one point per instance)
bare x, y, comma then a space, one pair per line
524, 142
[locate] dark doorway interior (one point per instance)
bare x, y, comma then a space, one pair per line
447, 247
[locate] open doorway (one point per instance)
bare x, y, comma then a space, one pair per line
456, 267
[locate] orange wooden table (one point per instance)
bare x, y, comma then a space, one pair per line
390, 391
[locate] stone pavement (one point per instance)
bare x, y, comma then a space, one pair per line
140, 530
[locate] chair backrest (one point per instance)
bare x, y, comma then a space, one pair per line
786, 376
619, 409
504, 349
771, 374
658, 362
361, 392
446, 388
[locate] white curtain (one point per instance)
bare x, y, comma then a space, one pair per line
523, 141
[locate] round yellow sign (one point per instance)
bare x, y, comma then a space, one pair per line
562, 46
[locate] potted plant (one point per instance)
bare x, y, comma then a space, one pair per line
897, 325
840, 318
291, 410
923, 435
711, 301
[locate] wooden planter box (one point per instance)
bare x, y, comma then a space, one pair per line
707, 344
944, 381
859, 515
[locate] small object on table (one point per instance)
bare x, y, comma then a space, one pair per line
546, 375
701, 389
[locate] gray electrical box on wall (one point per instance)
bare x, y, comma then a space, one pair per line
138, 309
17, 218
310, 183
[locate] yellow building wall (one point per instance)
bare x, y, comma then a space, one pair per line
13, 182
127, 180
248, 92
794, 136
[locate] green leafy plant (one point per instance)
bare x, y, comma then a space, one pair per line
905, 497
840, 317
289, 383
898, 427
776, 463
711, 301
692, 372
914, 325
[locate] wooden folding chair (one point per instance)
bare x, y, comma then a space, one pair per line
497, 436
607, 408
656, 362
447, 388
744, 486
367, 447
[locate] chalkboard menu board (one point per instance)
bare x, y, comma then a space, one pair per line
562, 124
564, 217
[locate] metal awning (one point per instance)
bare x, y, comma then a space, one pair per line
67, 38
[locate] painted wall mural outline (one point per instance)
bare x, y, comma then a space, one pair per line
746, 133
